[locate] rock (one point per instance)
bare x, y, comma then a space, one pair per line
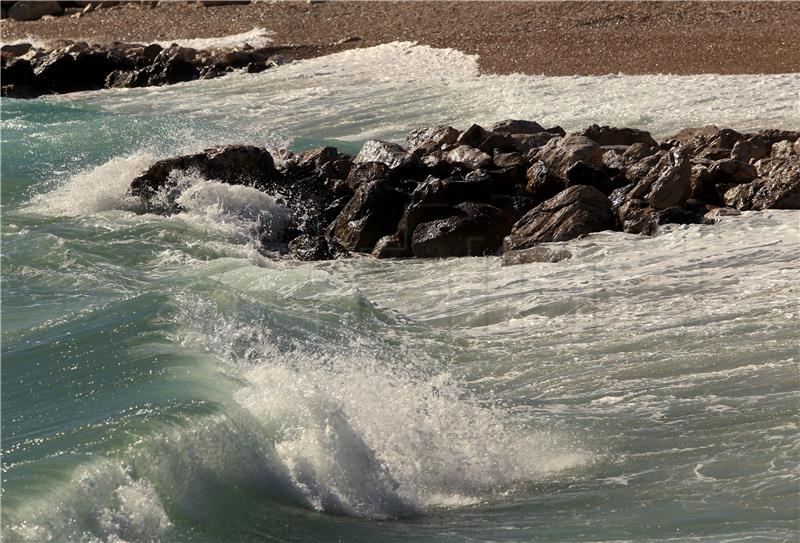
535, 254
638, 170
309, 247
474, 230
478, 137
170, 71
233, 164
668, 184
364, 172
509, 160
687, 136
782, 149
30, 11
725, 138
636, 217
779, 190
583, 173
152, 51
542, 183
391, 154
527, 142
19, 80
576, 211
513, 126
391, 247
15, 49
559, 154
732, 171
638, 151
715, 214
687, 214
608, 135
373, 212
797, 147
468, 157
430, 138
751, 149
54, 72
773, 135
703, 186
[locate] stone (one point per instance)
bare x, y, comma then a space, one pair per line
561, 153
15, 49
364, 172
474, 229
703, 187
513, 126
54, 72
576, 211
528, 142
636, 217
780, 189
372, 212
609, 135
430, 138
468, 157
782, 149
717, 213
19, 80
391, 247
30, 11
638, 170
583, 173
638, 151
732, 171
391, 154
686, 214
542, 184
535, 254
751, 149
509, 160
314, 247
774, 135
151, 51
668, 183
478, 137
233, 164
687, 136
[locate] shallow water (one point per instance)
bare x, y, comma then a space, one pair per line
162, 380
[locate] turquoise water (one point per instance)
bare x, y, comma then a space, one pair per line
163, 380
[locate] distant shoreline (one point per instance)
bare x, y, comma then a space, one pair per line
550, 38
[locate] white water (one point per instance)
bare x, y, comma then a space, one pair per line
258, 37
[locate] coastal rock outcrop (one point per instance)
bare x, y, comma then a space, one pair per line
577, 211
778, 189
559, 154
473, 230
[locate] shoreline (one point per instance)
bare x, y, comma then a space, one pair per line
535, 38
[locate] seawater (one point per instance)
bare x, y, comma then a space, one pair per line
165, 380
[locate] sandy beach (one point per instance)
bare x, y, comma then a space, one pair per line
551, 38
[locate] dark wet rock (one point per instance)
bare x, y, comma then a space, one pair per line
15, 49
732, 171
703, 186
639, 151
391, 154
561, 153
687, 214
509, 160
618, 196
478, 137
54, 72
535, 254
636, 217
583, 173
468, 157
576, 211
542, 183
150, 52
474, 229
30, 11
314, 247
18, 79
637, 171
528, 142
373, 212
233, 164
364, 172
391, 247
713, 154
668, 183
609, 135
779, 189
513, 126
715, 214
430, 138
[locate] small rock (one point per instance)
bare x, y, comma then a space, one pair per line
535, 254
609, 135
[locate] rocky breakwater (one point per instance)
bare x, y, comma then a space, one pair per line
70, 66
504, 190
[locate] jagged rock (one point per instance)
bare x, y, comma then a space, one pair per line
30, 11
732, 171
478, 137
535, 254
54, 72
780, 189
774, 135
574, 212
373, 212
703, 186
468, 157
725, 138
509, 160
609, 135
583, 173
151, 51
715, 214
542, 183
513, 126
430, 138
668, 183
310, 247
233, 164
637, 171
782, 149
639, 151
751, 149
391, 154
687, 214
687, 136
391, 247
636, 217
364, 172
474, 230
559, 154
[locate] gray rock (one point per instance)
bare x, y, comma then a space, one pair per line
576, 211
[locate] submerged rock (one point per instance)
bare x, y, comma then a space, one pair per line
539, 253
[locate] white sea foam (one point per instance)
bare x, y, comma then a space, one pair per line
344, 96
258, 37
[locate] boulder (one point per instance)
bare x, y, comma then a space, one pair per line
54, 72
19, 80
468, 157
513, 126
561, 153
783, 149
314, 247
609, 135
636, 217
780, 189
668, 183
732, 171
30, 11
509, 160
478, 137
372, 212
364, 172
542, 183
233, 164
391, 154
638, 151
774, 135
473, 230
751, 149
391, 247
639, 169
703, 186
528, 142
715, 214
576, 211
430, 138
15, 49
535, 254
583, 173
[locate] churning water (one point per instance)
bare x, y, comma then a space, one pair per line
163, 380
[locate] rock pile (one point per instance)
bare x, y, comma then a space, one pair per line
504, 189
